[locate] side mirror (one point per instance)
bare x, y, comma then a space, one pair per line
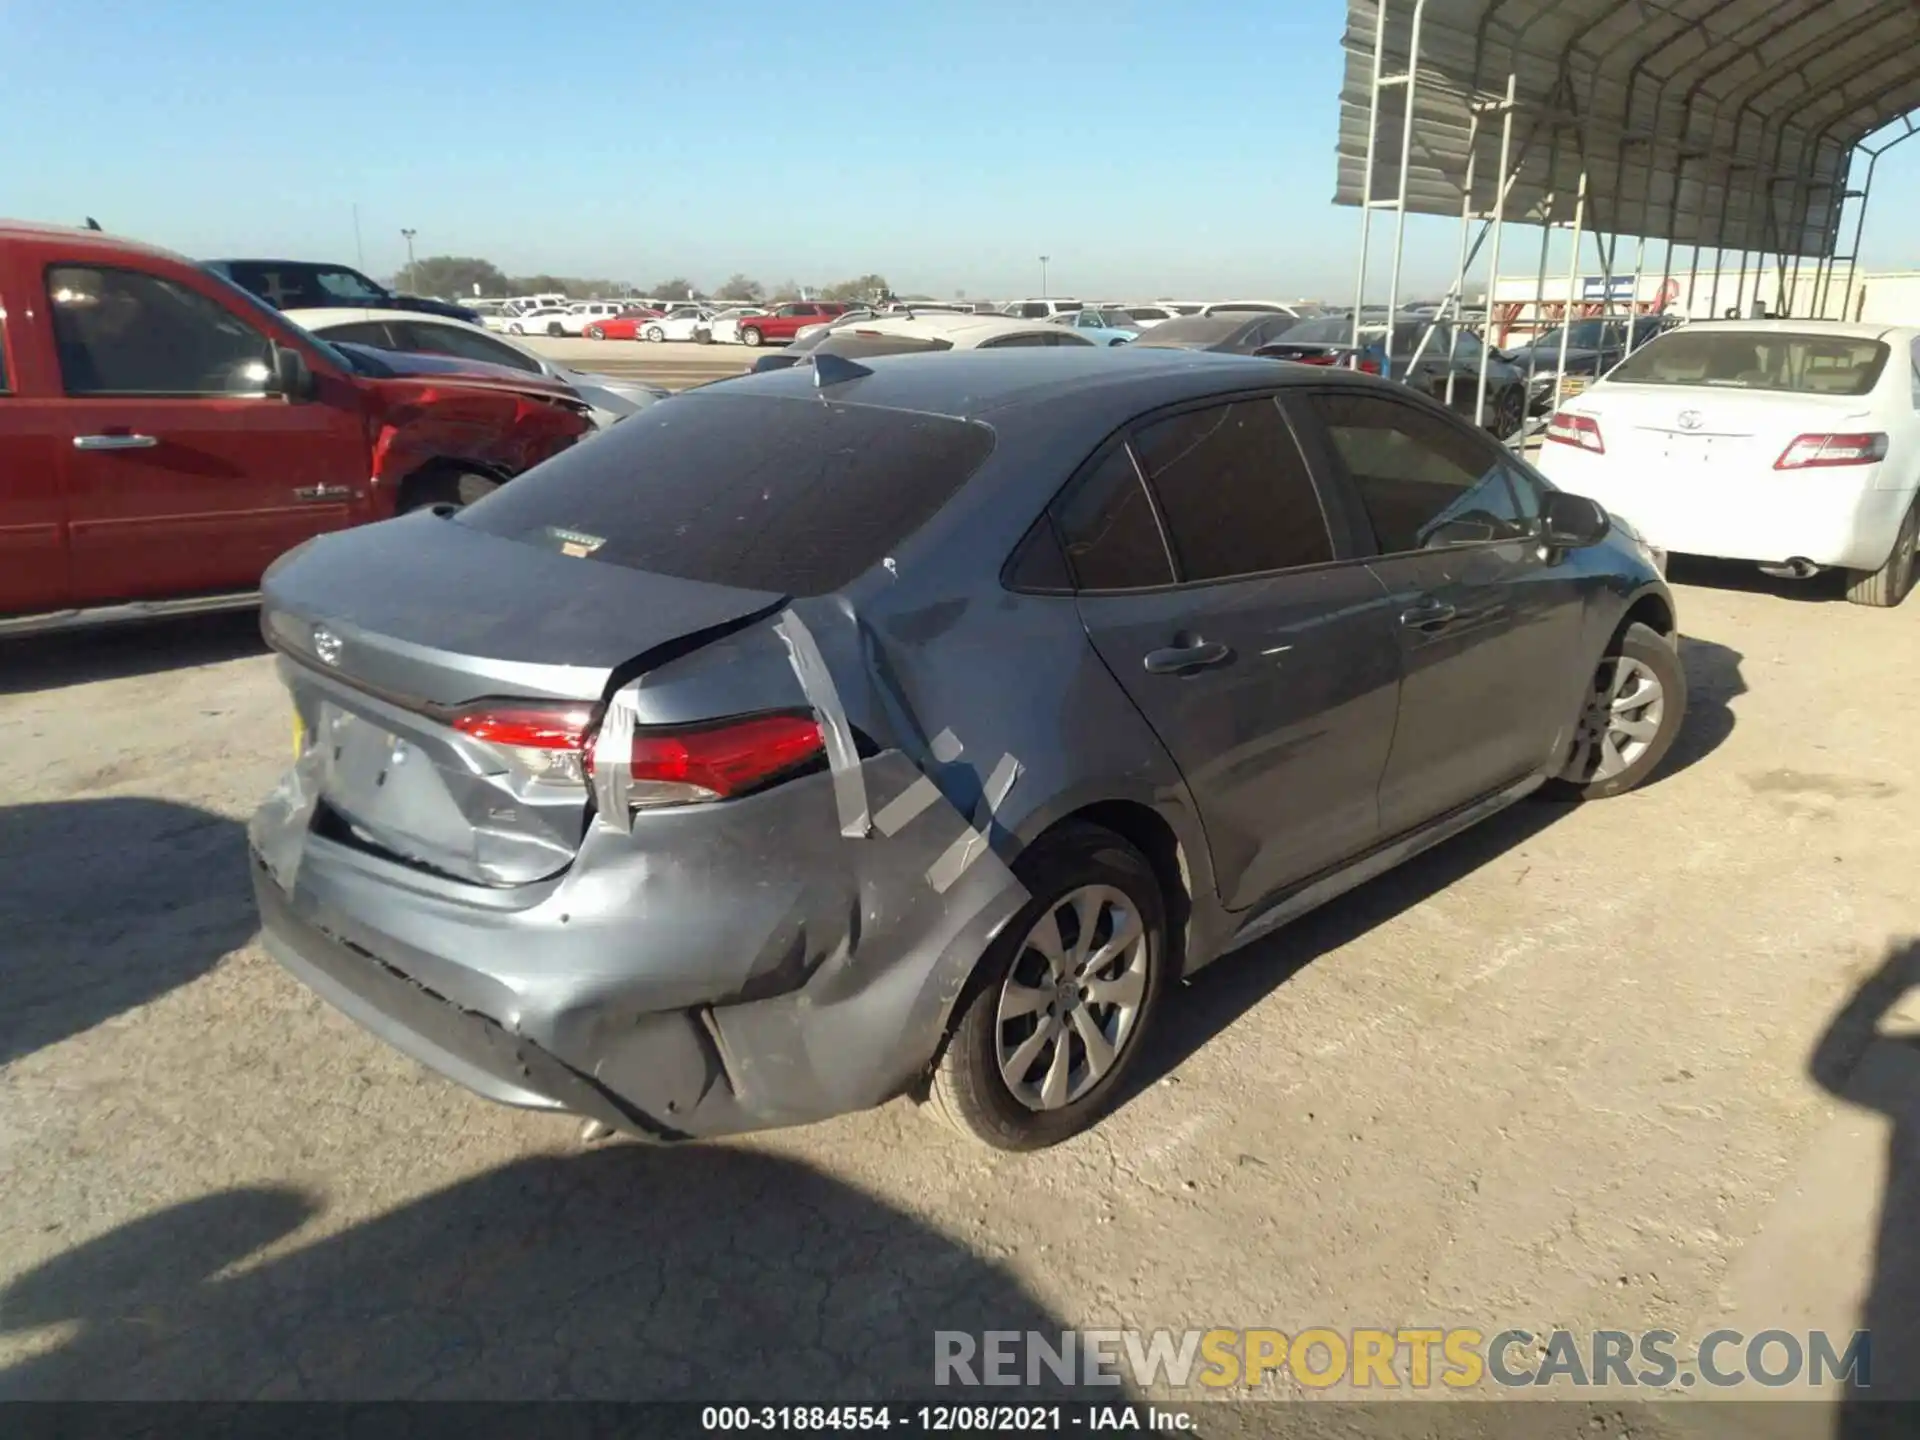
291, 377
1572, 522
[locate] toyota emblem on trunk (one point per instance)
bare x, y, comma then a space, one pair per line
1690, 420
326, 645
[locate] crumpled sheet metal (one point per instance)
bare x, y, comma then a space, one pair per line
278, 828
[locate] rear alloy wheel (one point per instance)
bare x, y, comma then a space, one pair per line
516, 328
749, 336
1889, 584
1632, 715
656, 334
1053, 1016
594, 332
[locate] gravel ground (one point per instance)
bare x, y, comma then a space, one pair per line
1559, 1072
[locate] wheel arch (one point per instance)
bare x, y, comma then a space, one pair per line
424, 476
1652, 609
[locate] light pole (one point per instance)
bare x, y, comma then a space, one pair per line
413, 276
1043, 275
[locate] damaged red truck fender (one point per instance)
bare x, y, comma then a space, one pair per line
164, 436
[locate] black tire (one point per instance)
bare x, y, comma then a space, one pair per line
656, 334
594, 332
967, 1090
749, 336
1889, 585
1650, 649
458, 488
556, 329
516, 328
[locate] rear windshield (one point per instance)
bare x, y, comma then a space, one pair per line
1757, 360
796, 496
1198, 329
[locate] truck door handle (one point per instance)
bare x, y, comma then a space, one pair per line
114, 442
1181, 659
1428, 615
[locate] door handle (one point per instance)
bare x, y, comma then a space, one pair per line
1183, 659
1428, 615
114, 442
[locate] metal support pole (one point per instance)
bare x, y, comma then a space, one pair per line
1406, 162
1493, 265
1573, 282
1366, 183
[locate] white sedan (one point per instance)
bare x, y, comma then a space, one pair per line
683, 322
1791, 443
726, 323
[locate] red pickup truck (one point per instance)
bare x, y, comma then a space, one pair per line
786, 321
164, 435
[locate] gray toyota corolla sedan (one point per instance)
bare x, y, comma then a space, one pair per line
909, 727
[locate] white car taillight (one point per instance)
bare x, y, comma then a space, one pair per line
1580, 431
1809, 452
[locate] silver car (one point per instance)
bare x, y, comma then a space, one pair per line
912, 727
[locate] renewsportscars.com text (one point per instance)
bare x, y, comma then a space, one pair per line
1403, 1358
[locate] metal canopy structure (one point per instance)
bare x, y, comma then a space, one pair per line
1744, 127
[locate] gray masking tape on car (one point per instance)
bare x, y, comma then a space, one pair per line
843, 756
972, 842
613, 764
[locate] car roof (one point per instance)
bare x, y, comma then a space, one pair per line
35, 230
1110, 383
313, 316
953, 326
1839, 329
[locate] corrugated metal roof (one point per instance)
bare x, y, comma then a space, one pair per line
1714, 122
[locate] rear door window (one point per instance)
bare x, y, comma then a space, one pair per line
1423, 481
794, 496
464, 342
1234, 491
126, 332
366, 332
1111, 534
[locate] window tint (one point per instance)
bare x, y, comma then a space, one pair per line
1038, 564
1234, 491
465, 343
1423, 482
125, 332
1107, 524
1008, 342
792, 496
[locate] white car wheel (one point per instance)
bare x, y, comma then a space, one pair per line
656, 334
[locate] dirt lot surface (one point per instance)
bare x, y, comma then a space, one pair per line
1572, 1069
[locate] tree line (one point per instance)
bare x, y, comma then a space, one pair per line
466, 277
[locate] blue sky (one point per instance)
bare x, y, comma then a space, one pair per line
1148, 148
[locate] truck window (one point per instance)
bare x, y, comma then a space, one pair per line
125, 332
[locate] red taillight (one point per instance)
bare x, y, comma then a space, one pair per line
1809, 452
675, 767
549, 743
1580, 431
1369, 365
681, 766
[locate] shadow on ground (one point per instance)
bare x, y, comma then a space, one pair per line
109, 904
51, 662
1223, 992
1868, 1058
630, 1272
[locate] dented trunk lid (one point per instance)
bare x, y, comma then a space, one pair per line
389, 632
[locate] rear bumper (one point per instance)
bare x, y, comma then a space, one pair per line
1819, 515
675, 983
